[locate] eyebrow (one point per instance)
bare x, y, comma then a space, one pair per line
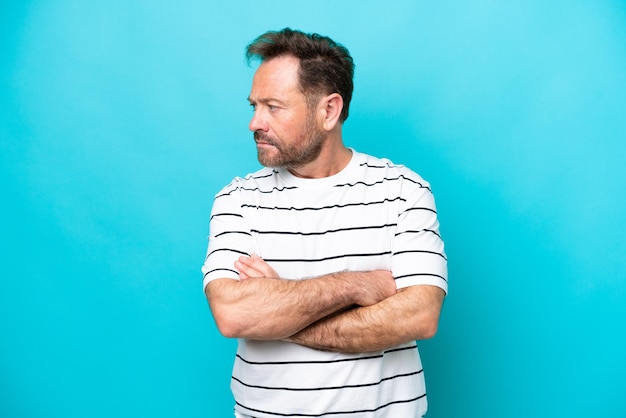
266, 100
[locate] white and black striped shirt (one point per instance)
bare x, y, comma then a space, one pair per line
371, 215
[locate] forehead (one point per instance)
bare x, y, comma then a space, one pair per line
276, 78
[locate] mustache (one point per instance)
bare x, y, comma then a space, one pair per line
263, 137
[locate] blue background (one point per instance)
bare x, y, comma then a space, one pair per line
120, 120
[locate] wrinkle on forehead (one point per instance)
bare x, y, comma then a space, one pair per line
276, 79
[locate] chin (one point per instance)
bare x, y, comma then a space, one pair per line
267, 161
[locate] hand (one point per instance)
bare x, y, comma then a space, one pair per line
375, 286
254, 266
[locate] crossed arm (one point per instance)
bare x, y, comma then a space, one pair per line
345, 312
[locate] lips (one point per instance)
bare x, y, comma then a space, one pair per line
263, 140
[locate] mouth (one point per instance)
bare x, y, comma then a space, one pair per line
263, 140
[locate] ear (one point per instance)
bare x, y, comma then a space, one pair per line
331, 107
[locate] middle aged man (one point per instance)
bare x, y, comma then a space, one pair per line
327, 265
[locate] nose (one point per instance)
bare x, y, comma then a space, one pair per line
257, 123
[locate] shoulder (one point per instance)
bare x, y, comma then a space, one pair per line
386, 170
253, 181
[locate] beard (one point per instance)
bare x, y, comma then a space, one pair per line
304, 149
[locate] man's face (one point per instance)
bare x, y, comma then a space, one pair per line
285, 128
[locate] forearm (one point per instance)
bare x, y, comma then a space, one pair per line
404, 317
273, 308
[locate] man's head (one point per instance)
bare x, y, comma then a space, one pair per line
325, 66
300, 94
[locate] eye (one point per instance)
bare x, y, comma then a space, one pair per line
272, 108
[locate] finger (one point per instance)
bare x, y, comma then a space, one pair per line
246, 270
254, 266
262, 266
239, 268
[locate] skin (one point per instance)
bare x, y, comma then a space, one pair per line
367, 328
283, 121
346, 311
263, 306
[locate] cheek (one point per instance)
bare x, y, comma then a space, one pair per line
283, 131
290, 127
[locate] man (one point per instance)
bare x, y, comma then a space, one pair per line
327, 264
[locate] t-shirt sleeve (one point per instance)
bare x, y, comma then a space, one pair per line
229, 237
418, 251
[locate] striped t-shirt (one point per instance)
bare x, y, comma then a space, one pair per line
371, 215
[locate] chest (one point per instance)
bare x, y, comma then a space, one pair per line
304, 233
